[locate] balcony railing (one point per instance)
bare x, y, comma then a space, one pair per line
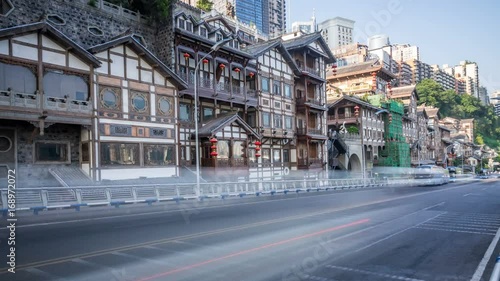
223, 87
305, 131
67, 105
309, 100
32, 101
238, 90
310, 70
9, 98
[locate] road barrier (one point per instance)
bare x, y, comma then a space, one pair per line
46, 198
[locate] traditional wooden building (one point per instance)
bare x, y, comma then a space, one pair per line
71, 117
136, 113
46, 104
311, 54
362, 80
361, 127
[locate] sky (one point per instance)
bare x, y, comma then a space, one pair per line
446, 31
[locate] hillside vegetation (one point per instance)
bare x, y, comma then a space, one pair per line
451, 104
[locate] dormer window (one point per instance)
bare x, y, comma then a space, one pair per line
182, 23
189, 26
230, 44
236, 44
218, 37
203, 31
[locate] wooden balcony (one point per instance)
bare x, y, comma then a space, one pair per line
310, 102
341, 118
309, 131
26, 106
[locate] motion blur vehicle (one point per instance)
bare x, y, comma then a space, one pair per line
431, 175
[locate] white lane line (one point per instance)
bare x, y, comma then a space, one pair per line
380, 224
467, 194
478, 275
452, 230
140, 258
236, 204
466, 222
46, 275
458, 227
395, 277
397, 233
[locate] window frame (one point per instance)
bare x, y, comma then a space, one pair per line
63, 142
268, 115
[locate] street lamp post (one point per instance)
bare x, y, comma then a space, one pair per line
197, 142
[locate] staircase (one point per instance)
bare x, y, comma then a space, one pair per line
70, 176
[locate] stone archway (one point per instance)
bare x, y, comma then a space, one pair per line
354, 163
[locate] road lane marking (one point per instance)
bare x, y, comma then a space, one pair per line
263, 247
467, 194
229, 205
453, 230
396, 277
396, 233
478, 275
218, 231
479, 228
44, 274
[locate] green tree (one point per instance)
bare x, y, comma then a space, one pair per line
205, 5
157, 9
463, 106
479, 140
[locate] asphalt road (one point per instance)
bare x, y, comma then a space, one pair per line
420, 233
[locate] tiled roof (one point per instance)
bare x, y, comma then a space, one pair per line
359, 68
258, 49
215, 125
354, 100
305, 40
404, 91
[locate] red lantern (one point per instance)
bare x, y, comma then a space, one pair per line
251, 74
334, 69
257, 148
237, 70
186, 55
214, 153
356, 110
205, 61
222, 66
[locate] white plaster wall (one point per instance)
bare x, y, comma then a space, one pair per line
24, 52
4, 47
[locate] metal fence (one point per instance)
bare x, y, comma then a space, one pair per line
45, 198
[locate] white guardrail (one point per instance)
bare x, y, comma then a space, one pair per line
45, 198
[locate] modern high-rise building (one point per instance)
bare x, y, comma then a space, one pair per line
468, 73
337, 31
495, 101
447, 81
277, 17
267, 16
483, 95
405, 52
